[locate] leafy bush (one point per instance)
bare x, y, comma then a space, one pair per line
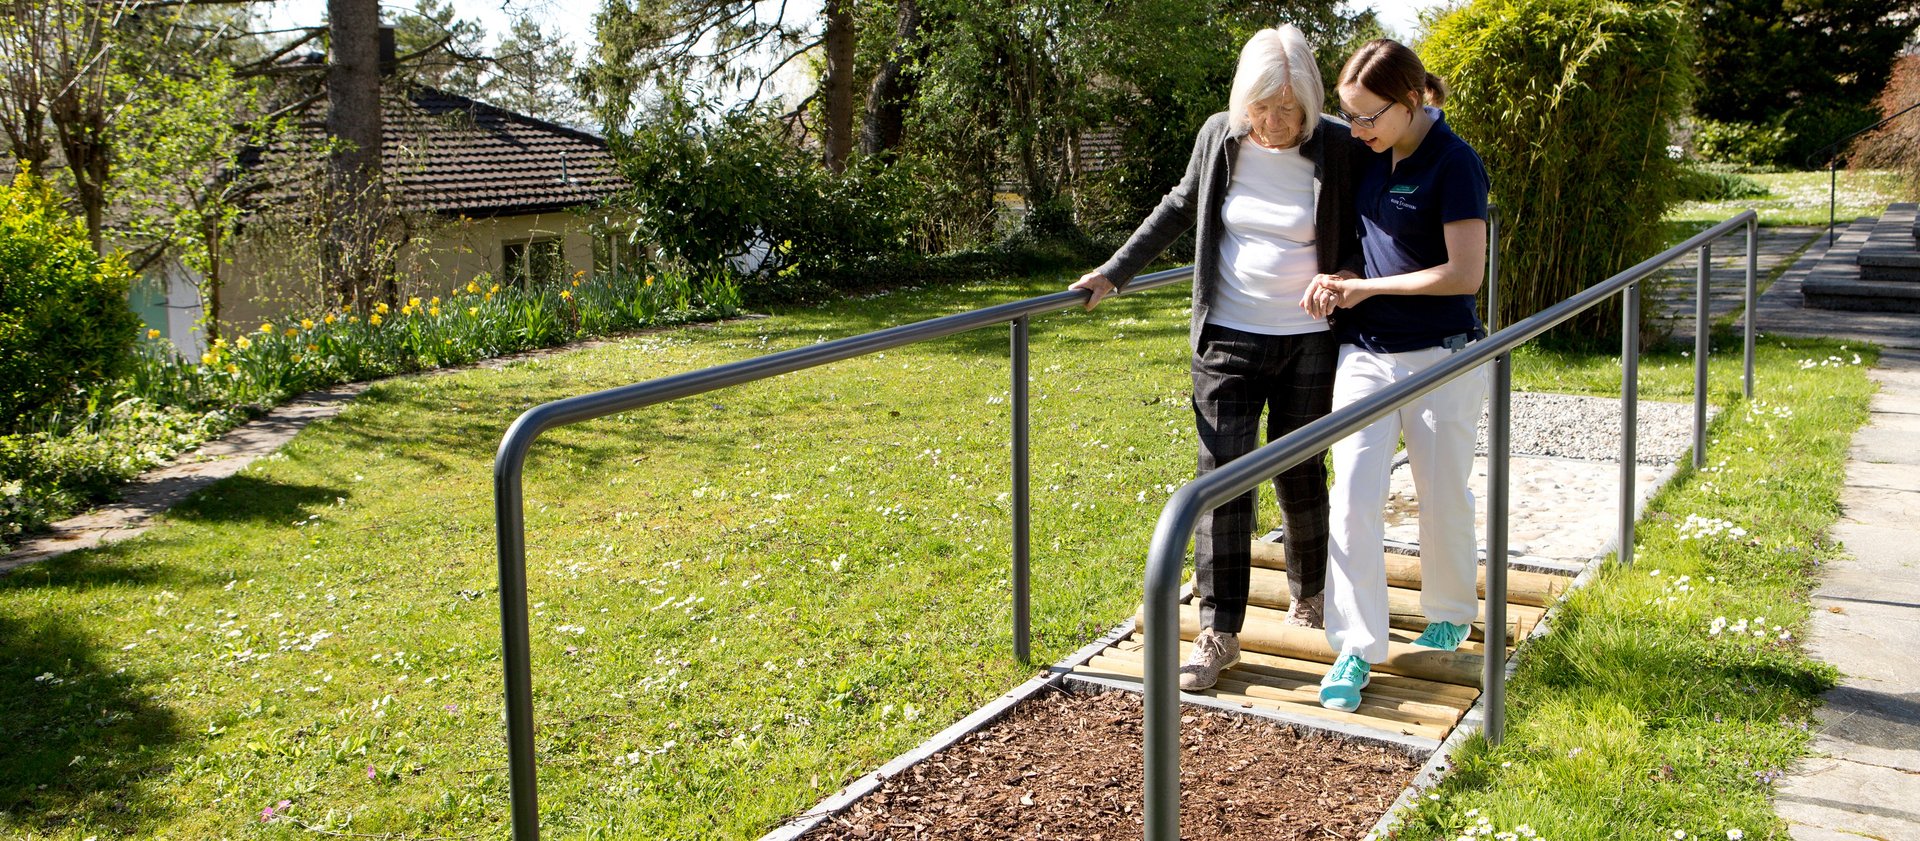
736, 190
1742, 144
1895, 145
64, 321
1568, 102
1699, 183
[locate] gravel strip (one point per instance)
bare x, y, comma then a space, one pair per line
1588, 428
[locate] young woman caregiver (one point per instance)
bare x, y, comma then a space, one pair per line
1422, 201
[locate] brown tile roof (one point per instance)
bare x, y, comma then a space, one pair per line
449, 154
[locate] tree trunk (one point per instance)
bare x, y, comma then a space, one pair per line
353, 165
893, 87
210, 284
838, 83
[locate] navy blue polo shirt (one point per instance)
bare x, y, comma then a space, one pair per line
1402, 210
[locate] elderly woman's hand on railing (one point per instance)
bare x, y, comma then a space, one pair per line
1096, 283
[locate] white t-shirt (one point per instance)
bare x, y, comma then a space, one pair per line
1267, 255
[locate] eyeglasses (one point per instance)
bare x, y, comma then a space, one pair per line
1366, 121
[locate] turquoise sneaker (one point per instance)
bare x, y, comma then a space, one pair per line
1340, 689
1445, 636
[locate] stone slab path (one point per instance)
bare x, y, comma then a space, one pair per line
1864, 781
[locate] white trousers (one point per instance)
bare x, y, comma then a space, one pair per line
1440, 432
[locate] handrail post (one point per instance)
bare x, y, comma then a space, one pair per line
1700, 328
1833, 186
1629, 415
1160, 680
1499, 446
516, 656
1753, 295
1022, 547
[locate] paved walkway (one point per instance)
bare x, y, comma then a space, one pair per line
1671, 301
1864, 781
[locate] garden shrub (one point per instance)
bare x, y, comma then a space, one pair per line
65, 324
1709, 183
707, 192
1895, 145
1569, 103
1741, 144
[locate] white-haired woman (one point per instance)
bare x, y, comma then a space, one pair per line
1268, 194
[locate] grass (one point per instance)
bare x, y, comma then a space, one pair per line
744, 600
1671, 695
741, 600
1800, 198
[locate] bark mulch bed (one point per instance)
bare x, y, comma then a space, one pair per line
1067, 766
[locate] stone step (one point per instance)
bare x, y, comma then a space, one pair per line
1855, 295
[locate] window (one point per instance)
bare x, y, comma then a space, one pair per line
534, 262
615, 253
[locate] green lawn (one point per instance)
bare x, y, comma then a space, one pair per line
1800, 198
1670, 695
743, 600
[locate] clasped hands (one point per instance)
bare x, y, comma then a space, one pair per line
1327, 292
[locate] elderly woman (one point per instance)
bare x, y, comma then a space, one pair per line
1268, 194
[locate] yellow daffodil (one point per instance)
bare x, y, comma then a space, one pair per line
473, 288
221, 342
267, 329
434, 311
434, 301
374, 319
353, 319
576, 283
473, 310
306, 324
408, 310
243, 343
232, 368
566, 294
496, 288
153, 334
489, 297
413, 302
291, 332
382, 308
649, 280
331, 319
313, 348
297, 359
209, 358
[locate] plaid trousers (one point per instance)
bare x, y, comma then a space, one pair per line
1236, 375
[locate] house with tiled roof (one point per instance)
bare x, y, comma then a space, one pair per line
481, 192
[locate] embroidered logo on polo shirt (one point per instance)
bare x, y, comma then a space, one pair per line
1401, 203
1404, 189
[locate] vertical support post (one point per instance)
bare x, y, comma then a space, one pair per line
1493, 269
1833, 186
1701, 327
1160, 679
1629, 415
1753, 274
1499, 436
510, 527
1022, 548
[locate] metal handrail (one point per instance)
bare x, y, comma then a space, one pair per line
1833, 160
1178, 518
510, 463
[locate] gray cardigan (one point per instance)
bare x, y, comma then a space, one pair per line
1336, 229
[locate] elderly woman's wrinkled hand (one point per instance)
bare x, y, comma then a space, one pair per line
1095, 283
1323, 294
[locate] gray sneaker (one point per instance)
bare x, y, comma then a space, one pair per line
1213, 652
1309, 612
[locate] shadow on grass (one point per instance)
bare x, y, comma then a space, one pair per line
244, 498
81, 736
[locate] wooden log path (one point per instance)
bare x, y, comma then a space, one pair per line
1416, 692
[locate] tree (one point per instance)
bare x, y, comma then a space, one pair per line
1807, 67
1568, 103
354, 198
60, 96
451, 48
533, 74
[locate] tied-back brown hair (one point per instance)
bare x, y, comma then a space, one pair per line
1391, 71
